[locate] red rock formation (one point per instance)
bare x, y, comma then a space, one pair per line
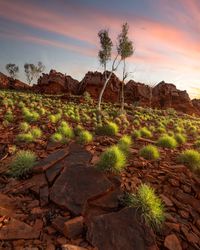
9, 83
93, 83
137, 92
56, 83
166, 95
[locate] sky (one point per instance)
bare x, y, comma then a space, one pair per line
63, 35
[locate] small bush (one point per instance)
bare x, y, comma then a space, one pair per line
113, 160
36, 133
145, 133
149, 152
25, 137
191, 158
109, 129
167, 141
57, 137
149, 203
85, 137
125, 143
136, 134
24, 126
78, 129
66, 131
180, 138
22, 164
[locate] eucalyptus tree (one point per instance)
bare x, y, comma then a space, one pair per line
12, 70
125, 49
33, 71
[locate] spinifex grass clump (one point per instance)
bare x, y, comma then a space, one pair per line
57, 137
25, 137
149, 152
85, 137
191, 158
78, 129
24, 126
136, 134
36, 133
125, 143
22, 164
145, 132
149, 203
180, 138
66, 130
167, 141
112, 160
109, 129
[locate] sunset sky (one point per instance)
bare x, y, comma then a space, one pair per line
63, 35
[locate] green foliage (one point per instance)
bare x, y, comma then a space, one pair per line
191, 158
145, 133
24, 126
149, 152
36, 133
109, 129
78, 129
65, 130
112, 160
25, 137
150, 205
57, 137
22, 164
125, 143
167, 141
85, 137
136, 134
180, 138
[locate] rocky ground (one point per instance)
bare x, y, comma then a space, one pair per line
68, 204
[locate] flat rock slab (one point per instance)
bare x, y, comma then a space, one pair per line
76, 185
120, 230
15, 229
50, 160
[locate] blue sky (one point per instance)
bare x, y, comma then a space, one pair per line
63, 35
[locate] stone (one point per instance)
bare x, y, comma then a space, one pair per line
72, 247
190, 236
36, 182
76, 185
74, 227
15, 229
119, 230
188, 199
44, 196
50, 160
172, 242
166, 200
59, 223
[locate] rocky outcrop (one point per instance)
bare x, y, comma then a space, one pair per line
56, 83
93, 83
9, 83
166, 95
137, 92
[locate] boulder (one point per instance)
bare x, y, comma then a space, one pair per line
56, 83
7, 82
119, 230
93, 83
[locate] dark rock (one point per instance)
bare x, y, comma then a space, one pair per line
120, 230
74, 227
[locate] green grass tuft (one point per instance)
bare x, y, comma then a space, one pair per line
22, 164
191, 158
149, 152
167, 141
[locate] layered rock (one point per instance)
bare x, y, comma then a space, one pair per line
93, 83
166, 95
56, 83
9, 83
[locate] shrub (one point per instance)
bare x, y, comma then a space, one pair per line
66, 131
197, 143
24, 126
25, 137
145, 132
113, 160
180, 138
167, 141
36, 133
125, 143
109, 129
57, 137
85, 137
22, 164
9, 116
136, 134
190, 158
149, 152
78, 129
149, 203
